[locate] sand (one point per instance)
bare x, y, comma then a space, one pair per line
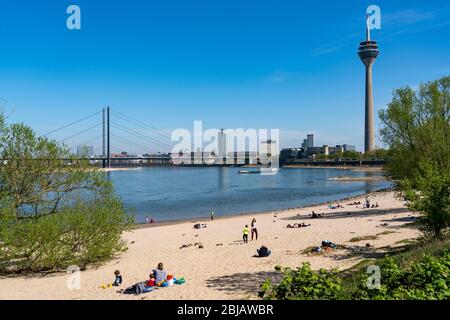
229, 271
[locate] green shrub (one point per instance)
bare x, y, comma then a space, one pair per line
304, 284
86, 233
55, 209
428, 279
429, 194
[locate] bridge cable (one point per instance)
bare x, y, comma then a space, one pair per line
71, 124
80, 133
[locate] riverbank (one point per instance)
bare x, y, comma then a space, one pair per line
225, 268
354, 179
256, 214
350, 168
119, 169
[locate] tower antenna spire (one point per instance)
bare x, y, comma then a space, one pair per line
367, 28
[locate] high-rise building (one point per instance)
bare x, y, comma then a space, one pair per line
368, 52
310, 141
304, 144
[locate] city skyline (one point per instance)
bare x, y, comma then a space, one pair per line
285, 70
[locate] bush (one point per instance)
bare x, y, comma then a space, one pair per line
304, 284
420, 273
85, 233
55, 209
430, 197
428, 279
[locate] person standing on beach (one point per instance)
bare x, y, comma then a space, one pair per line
245, 232
212, 215
147, 220
254, 230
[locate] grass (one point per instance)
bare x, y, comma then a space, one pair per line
375, 237
386, 233
363, 238
409, 255
406, 241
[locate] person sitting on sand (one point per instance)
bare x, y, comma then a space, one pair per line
263, 251
151, 280
315, 215
245, 233
159, 274
118, 280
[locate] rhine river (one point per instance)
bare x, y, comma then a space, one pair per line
175, 193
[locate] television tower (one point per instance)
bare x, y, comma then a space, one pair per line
368, 52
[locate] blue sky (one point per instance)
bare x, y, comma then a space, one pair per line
290, 65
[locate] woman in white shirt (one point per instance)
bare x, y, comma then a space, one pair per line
254, 230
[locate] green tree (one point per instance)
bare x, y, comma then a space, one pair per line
55, 210
416, 127
430, 196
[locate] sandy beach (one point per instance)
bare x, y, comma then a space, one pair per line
226, 268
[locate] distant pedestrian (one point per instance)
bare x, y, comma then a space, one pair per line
212, 215
254, 230
147, 220
245, 232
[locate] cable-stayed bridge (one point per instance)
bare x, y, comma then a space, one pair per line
111, 133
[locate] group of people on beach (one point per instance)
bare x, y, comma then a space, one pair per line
157, 278
253, 231
263, 251
367, 205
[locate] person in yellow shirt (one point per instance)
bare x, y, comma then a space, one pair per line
245, 234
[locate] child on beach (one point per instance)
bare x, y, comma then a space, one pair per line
246, 231
118, 280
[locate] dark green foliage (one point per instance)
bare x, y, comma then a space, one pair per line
428, 279
421, 273
304, 284
431, 197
